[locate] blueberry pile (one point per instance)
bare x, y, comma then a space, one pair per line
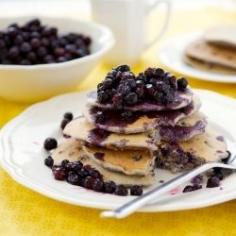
85, 176
122, 88
34, 43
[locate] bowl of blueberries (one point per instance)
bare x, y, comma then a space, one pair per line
43, 57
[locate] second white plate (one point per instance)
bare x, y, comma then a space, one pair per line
171, 56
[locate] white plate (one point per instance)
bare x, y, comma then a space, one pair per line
171, 55
22, 155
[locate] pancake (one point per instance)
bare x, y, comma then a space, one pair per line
206, 66
82, 130
139, 122
215, 55
71, 150
185, 129
182, 99
129, 162
208, 147
222, 35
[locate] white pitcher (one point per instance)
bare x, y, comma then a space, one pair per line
127, 19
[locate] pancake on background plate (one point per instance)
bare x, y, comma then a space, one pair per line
213, 55
222, 35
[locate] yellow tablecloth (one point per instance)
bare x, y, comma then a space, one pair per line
24, 212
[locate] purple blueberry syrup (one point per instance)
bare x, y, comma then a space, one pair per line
97, 136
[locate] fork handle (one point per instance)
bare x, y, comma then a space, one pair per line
131, 206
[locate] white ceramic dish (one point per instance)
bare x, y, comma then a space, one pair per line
37, 82
22, 155
171, 56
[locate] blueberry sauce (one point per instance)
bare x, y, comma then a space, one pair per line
99, 155
97, 136
108, 118
220, 138
177, 133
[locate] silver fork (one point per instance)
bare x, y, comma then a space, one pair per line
135, 204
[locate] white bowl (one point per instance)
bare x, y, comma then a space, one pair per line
36, 82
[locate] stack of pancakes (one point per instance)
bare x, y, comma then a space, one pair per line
215, 51
127, 144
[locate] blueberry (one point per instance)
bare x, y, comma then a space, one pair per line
83, 173
159, 97
190, 188
26, 36
35, 43
42, 51
18, 40
150, 72
2, 43
218, 173
73, 178
107, 83
64, 163
197, 180
87, 41
102, 97
213, 182
49, 59
124, 89
68, 116
122, 68
13, 52
140, 91
71, 48
25, 62
182, 84
45, 42
131, 83
121, 190
58, 52
117, 101
159, 72
25, 47
126, 115
97, 185
131, 98
150, 89
136, 190
35, 34
109, 187
59, 172
89, 182
49, 161
100, 117
75, 166
35, 22
94, 173
12, 31
127, 75
50, 143
31, 56
64, 122
173, 82
226, 159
